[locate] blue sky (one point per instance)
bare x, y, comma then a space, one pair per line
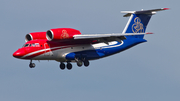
149, 71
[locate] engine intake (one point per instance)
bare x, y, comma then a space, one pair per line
35, 35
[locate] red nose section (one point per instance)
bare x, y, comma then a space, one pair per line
19, 53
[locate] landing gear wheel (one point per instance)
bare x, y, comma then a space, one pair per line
32, 65
79, 63
86, 63
69, 66
62, 66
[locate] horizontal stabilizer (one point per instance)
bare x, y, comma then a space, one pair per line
153, 11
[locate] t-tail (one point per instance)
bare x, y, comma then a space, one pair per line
139, 20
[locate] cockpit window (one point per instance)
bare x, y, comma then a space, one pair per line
32, 45
26, 45
37, 45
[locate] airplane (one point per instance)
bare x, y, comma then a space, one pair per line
66, 45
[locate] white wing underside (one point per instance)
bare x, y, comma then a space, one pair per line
113, 35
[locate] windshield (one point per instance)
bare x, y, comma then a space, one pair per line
26, 45
31, 45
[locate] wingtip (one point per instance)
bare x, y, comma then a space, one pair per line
149, 33
166, 8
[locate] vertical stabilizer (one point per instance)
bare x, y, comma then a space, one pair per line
139, 20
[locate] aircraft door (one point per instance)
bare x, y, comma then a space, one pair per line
47, 49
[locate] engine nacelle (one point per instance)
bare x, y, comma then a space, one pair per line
35, 35
61, 33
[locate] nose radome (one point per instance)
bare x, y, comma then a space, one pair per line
18, 54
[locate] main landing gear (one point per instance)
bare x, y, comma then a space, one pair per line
68, 66
32, 65
80, 62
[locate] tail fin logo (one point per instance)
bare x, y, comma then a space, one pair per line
137, 27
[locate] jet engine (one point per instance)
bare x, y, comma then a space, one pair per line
61, 33
35, 35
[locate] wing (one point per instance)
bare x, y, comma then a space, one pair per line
106, 37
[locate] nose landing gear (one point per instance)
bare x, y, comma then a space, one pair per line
32, 65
